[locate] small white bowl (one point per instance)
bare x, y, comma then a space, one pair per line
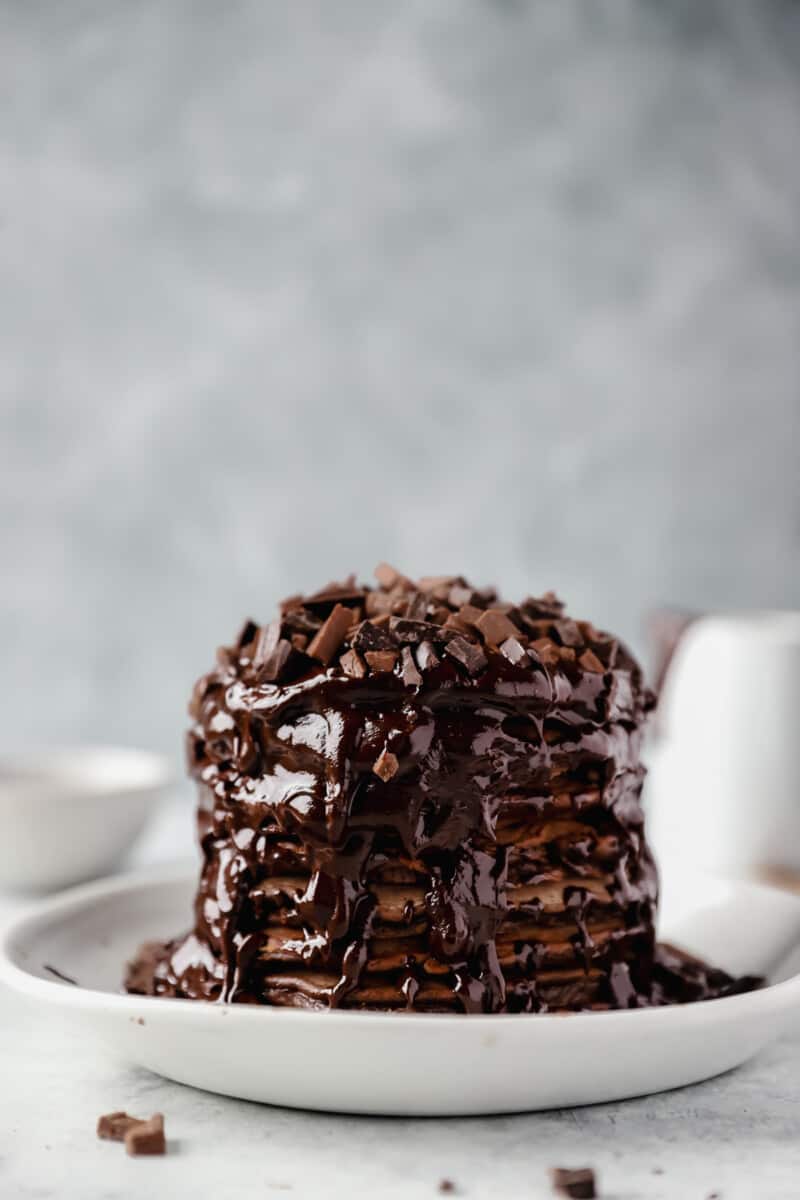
70, 815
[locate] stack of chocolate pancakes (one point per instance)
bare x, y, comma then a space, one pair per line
415, 797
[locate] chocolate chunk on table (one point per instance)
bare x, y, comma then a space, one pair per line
113, 1126
579, 1184
146, 1137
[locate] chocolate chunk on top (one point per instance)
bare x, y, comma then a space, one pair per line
495, 626
409, 671
578, 1184
568, 632
389, 577
353, 664
513, 650
468, 654
386, 765
590, 662
370, 636
381, 661
331, 635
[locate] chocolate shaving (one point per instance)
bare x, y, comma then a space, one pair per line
331, 635
468, 654
495, 627
299, 641
578, 1184
409, 672
386, 765
146, 1137
381, 660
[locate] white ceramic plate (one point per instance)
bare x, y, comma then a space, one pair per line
405, 1063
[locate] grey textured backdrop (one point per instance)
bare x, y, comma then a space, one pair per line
508, 288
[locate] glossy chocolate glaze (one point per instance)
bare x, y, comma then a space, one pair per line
292, 782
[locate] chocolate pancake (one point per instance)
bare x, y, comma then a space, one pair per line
416, 797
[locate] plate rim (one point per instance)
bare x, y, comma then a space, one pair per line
775, 997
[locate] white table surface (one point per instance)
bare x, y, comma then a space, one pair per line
738, 1136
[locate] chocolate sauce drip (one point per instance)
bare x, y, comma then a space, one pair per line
390, 780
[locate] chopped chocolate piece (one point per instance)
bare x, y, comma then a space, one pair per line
369, 636
331, 635
566, 654
427, 657
590, 662
386, 765
432, 583
440, 615
547, 651
275, 664
382, 621
146, 1137
406, 630
379, 602
291, 602
567, 632
496, 627
468, 654
390, 578
461, 594
416, 607
299, 641
324, 600
547, 605
381, 660
353, 664
446, 1185
268, 639
300, 621
248, 633
113, 1126
513, 650
578, 1184
469, 615
411, 676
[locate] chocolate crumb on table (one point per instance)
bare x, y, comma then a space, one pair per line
446, 1185
579, 1184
